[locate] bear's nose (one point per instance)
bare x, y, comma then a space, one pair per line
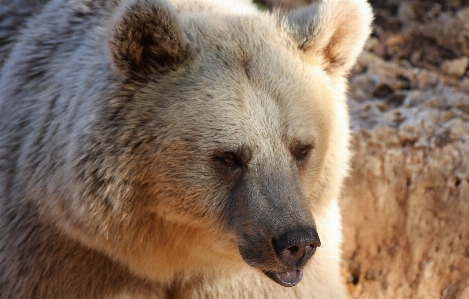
296, 247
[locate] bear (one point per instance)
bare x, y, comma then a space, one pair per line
174, 149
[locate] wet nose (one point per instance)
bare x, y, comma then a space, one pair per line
296, 247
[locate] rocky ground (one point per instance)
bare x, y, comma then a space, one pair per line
406, 203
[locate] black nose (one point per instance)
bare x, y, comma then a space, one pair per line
296, 247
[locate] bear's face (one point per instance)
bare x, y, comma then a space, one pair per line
239, 140
236, 116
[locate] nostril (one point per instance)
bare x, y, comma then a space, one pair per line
291, 252
293, 249
310, 249
299, 251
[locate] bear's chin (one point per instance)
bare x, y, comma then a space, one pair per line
286, 279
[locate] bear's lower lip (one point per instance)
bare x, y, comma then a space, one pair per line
286, 279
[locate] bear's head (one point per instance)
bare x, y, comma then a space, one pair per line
223, 134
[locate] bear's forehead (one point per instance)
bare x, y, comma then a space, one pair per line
251, 79
241, 37
241, 47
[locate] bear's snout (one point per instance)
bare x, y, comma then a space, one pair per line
296, 247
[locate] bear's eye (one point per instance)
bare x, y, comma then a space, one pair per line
230, 159
302, 153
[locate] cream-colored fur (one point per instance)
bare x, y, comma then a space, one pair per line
113, 119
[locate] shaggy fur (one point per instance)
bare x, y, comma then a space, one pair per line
154, 149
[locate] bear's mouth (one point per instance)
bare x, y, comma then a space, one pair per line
286, 279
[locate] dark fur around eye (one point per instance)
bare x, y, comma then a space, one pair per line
301, 153
234, 158
229, 158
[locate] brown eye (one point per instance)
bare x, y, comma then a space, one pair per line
230, 159
303, 152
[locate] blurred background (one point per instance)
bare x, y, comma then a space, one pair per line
405, 206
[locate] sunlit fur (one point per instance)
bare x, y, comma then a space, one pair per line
111, 115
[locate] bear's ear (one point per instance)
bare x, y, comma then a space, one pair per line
146, 37
333, 31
